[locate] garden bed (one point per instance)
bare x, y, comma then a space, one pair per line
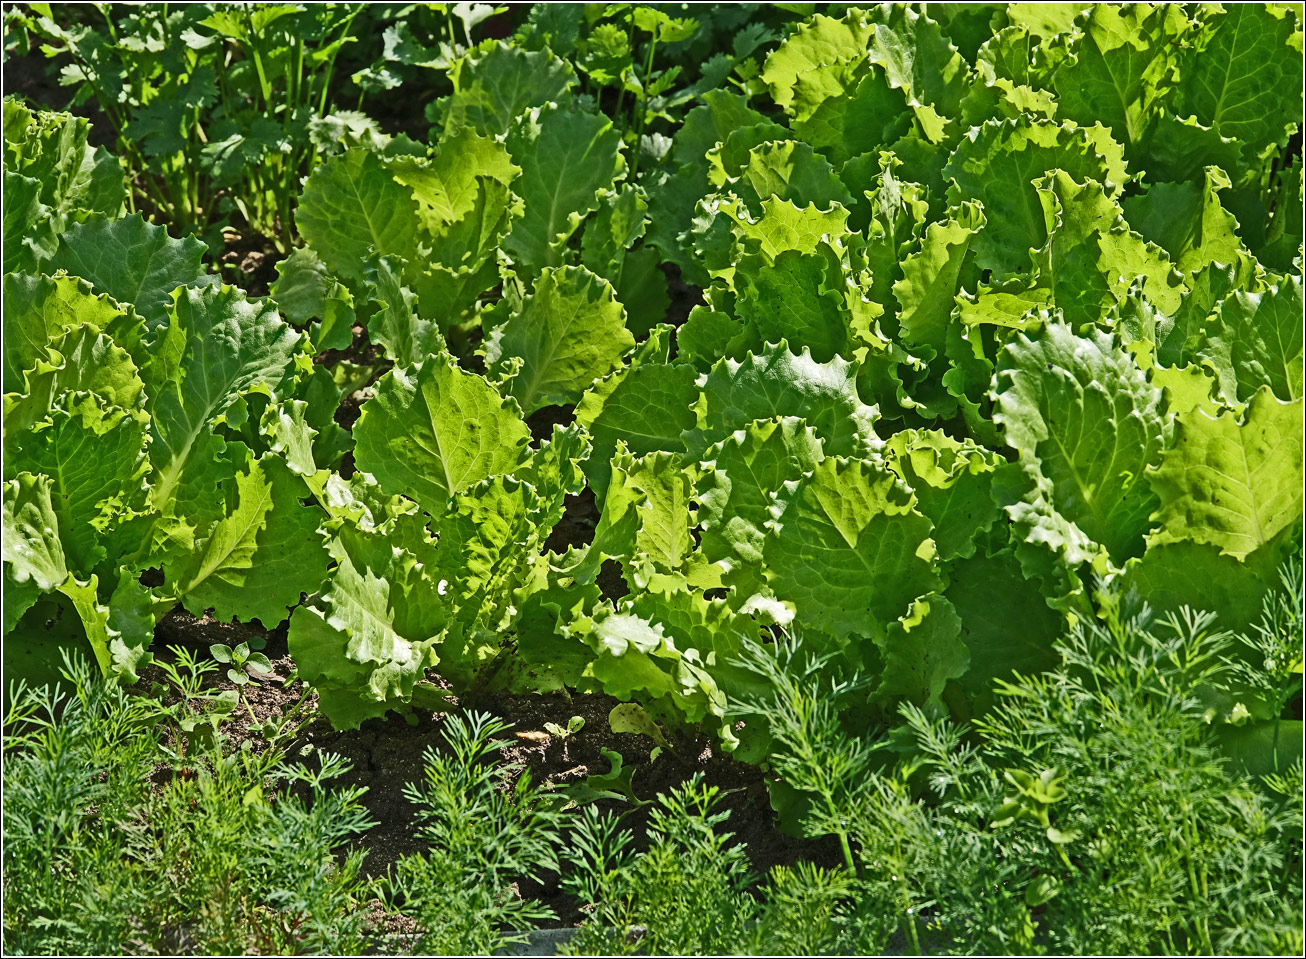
718, 478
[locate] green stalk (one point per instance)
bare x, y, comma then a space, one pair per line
248, 708
621, 95
906, 902
641, 120
630, 37
847, 853
322, 101
295, 76
1198, 888
331, 63
265, 87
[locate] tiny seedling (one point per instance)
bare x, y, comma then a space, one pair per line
574, 725
242, 662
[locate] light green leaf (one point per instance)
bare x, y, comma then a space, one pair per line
799, 296
997, 164
304, 290
783, 226
370, 636
893, 217
451, 296
76, 181
1232, 483
1087, 426
301, 285
95, 463
84, 373
726, 160
646, 406
930, 279
919, 59
921, 652
260, 556
1045, 20
129, 625
495, 86
1122, 71
225, 347
32, 549
488, 541
847, 547
705, 337
1178, 343
105, 643
748, 468
135, 262
1091, 260
406, 336
568, 332
434, 430
463, 198
814, 64
952, 480
868, 115
779, 383
1173, 575
30, 228
447, 188
352, 204
676, 647
788, 170
567, 159
1257, 340
544, 642
1188, 222
34, 562
1015, 55
620, 221
287, 425
663, 539
555, 470
1241, 76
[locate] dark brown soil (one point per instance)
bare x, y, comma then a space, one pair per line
249, 262
580, 515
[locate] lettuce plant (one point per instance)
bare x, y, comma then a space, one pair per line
975, 335
154, 420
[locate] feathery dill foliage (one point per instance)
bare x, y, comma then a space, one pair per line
114, 841
692, 892
1090, 811
688, 890
483, 837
